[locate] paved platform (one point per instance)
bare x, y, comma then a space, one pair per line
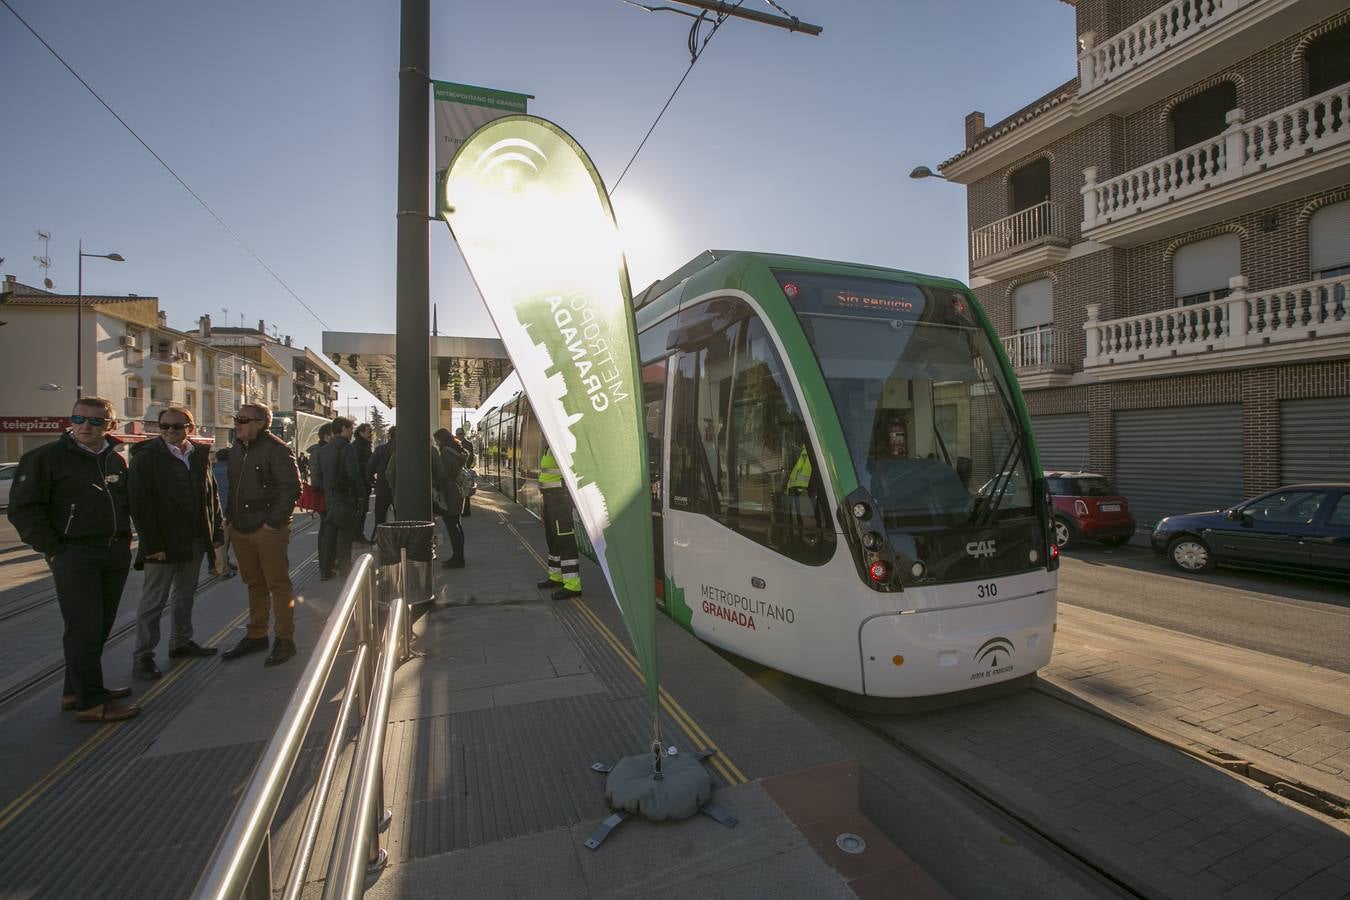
487, 767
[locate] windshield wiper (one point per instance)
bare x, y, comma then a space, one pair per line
984, 515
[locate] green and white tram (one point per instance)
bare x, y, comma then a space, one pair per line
844, 483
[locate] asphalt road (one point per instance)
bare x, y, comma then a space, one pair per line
1295, 618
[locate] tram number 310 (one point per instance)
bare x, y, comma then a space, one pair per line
986, 591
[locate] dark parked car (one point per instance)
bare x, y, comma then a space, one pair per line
1088, 506
1302, 528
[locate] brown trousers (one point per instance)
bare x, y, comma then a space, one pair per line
264, 564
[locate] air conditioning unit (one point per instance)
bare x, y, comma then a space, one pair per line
128, 340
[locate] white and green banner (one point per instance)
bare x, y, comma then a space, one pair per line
533, 221
461, 109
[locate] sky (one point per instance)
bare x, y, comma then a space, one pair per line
283, 118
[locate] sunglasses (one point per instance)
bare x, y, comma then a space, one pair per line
96, 421
172, 426
244, 420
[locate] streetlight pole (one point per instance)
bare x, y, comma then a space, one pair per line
79, 313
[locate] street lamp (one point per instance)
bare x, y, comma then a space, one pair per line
79, 314
925, 172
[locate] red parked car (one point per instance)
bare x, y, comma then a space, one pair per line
1088, 507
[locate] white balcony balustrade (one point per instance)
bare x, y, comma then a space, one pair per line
1244, 150
1296, 313
1043, 222
133, 408
1035, 350
1147, 39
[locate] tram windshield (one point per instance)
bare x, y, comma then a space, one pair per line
927, 415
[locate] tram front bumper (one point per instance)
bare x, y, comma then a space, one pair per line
942, 651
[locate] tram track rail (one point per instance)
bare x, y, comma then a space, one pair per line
35, 679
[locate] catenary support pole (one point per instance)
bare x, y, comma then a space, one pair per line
412, 490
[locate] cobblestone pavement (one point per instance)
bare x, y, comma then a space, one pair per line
1288, 718
1150, 816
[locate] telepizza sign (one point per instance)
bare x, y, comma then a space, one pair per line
33, 424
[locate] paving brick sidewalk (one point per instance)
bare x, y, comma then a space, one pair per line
1288, 718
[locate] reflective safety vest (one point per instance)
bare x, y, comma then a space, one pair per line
550, 476
800, 476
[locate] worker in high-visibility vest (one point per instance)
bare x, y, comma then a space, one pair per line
564, 569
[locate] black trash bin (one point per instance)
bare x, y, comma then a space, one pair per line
418, 539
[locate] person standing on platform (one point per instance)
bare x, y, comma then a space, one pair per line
69, 503
376, 467
466, 447
341, 482
176, 508
452, 494
361, 443
264, 485
220, 471
564, 569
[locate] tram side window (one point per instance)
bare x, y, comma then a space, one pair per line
745, 443
654, 414
688, 462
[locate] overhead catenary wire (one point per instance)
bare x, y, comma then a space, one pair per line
195, 196
695, 51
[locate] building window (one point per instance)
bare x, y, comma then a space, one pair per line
1200, 271
1328, 61
1203, 116
1030, 185
190, 399
1329, 241
1034, 323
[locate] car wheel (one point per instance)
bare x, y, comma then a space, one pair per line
1116, 541
1064, 533
1190, 554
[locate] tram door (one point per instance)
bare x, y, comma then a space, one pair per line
654, 415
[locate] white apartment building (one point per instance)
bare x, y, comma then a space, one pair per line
309, 383
127, 353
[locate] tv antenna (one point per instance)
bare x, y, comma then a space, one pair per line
44, 261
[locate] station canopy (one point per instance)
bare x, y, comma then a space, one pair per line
468, 369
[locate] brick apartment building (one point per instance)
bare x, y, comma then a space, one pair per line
1164, 243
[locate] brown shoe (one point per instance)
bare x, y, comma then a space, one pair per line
109, 712
68, 702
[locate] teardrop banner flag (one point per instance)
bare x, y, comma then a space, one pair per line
533, 220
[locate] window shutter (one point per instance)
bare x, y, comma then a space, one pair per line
1206, 265
1034, 304
1329, 237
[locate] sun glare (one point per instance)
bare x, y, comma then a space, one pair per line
645, 235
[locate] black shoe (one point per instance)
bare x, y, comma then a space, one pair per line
192, 648
244, 647
282, 650
325, 576
145, 669
452, 563
566, 594
549, 583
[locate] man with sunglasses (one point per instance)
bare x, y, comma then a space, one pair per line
176, 508
69, 502
264, 485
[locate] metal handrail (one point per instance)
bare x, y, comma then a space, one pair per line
241, 863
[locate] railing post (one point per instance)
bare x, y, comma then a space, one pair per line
1086, 76
259, 884
1234, 145
403, 598
1093, 336
1089, 190
1237, 311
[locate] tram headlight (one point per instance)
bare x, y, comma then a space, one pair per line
879, 571
861, 511
872, 540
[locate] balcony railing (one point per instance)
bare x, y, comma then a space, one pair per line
1043, 222
1298, 312
1245, 148
1035, 350
1149, 38
133, 407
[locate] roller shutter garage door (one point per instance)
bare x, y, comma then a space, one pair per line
1178, 460
1062, 441
1315, 440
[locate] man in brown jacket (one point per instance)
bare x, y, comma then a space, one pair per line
264, 485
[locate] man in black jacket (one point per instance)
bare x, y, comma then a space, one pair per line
176, 508
69, 501
362, 443
375, 469
264, 485
342, 483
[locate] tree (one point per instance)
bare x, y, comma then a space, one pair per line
377, 423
